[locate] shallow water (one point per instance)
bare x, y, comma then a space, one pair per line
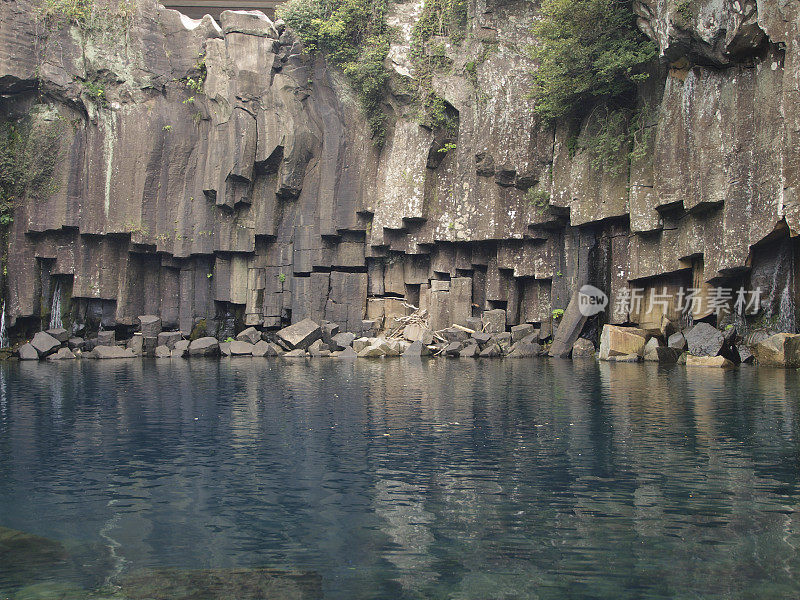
389, 479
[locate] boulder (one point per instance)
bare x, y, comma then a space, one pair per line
169, 339
663, 354
361, 343
704, 340
569, 328
300, 335
779, 350
369, 328
470, 351
250, 335
453, 334
503, 339
453, 349
248, 22
225, 348
61, 334
136, 343
745, 355
520, 331
524, 350
343, 340
582, 348
329, 330
625, 358
298, 353
75, 343
676, 340
719, 362
621, 341
371, 352
347, 352
416, 349
262, 348
106, 337
482, 337
494, 321
418, 333
492, 350
162, 352
62, 354
150, 325
204, 346
110, 352
239, 348
28, 352
44, 343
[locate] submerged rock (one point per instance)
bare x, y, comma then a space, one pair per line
719, 362
583, 348
111, 352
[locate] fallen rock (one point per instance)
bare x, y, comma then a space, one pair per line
250, 335
371, 352
111, 352
343, 340
262, 348
361, 343
621, 341
106, 337
745, 355
225, 348
168, 339
181, 346
518, 332
453, 349
482, 337
347, 352
663, 354
582, 348
150, 325
719, 362
454, 334
492, 350
569, 328
162, 352
494, 321
418, 333
779, 350
625, 358
300, 335
136, 344
204, 346
524, 350
329, 330
62, 354
239, 348
28, 352
44, 343
470, 351
76, 343
298, 353
61, 334
704, 340
676, 340
416, 349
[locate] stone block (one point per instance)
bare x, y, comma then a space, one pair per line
250, 335
28, 352
169, 338
61, 334
44, 343
704, 340
204, 346
343, 340
62, 354
300, 335
520, 331
621, 341
582, 348
110, 352
719, 362
415, 332
240, 348
162, 352
494, 321
106, 337
779, 350
150, 325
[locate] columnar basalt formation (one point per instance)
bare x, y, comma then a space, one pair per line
215, 174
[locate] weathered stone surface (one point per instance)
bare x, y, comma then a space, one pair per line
780, 350
704, 340
61, 334
520, 331
453, 348
300, 335
361, 343
149, 325
719, 362
62, 354
416, 349
106, 338
625, 358
343, 340
44, 343
75, 343
136, 344
297, 353
569, 328
676, 340
453, 334
372, 352
470, 351
414, 333
663, 354
28, 352
492, 350
251, 335
347, 352
482, 337
262, 348
110, 352
582, 348
745, 354
494, 320
205, 346
621, 341
169, 338
239, 348
162, 352
524, 350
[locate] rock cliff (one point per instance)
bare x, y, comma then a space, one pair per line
214, 171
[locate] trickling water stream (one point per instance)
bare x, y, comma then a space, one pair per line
55, 309
3, 333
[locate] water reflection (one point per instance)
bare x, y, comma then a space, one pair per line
398, 479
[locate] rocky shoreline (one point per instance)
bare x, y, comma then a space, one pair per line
701, 345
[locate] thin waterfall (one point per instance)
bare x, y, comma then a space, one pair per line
3, 333
55, 309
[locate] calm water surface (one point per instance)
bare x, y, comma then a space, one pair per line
448, 479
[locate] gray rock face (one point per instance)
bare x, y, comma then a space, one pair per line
676, 340
62, 354
704, 340
262, 348
251, 335
348, 352
162, 352
780, 350
110, 352
569, 329
300, 335
340, 341
582, 348
44, 343
205, 346
169, 339
106, 338
663, 354
61, 334
238, 348
28, 352
520, 331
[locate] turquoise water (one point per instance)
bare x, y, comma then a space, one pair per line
389, 479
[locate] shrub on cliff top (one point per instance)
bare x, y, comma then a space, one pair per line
353, 35
587, 50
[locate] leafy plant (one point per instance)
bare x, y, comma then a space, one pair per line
167, 128
353, 35
447, 147
281, 277
229, 339
558, 313
95, 91
587, 50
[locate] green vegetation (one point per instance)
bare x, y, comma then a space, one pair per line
447, 147
442, 17
29, 153
281, 277
684, 9
588, 51
353, 35
558, 313
86, 15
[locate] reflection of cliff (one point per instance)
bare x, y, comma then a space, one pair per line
200, 171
